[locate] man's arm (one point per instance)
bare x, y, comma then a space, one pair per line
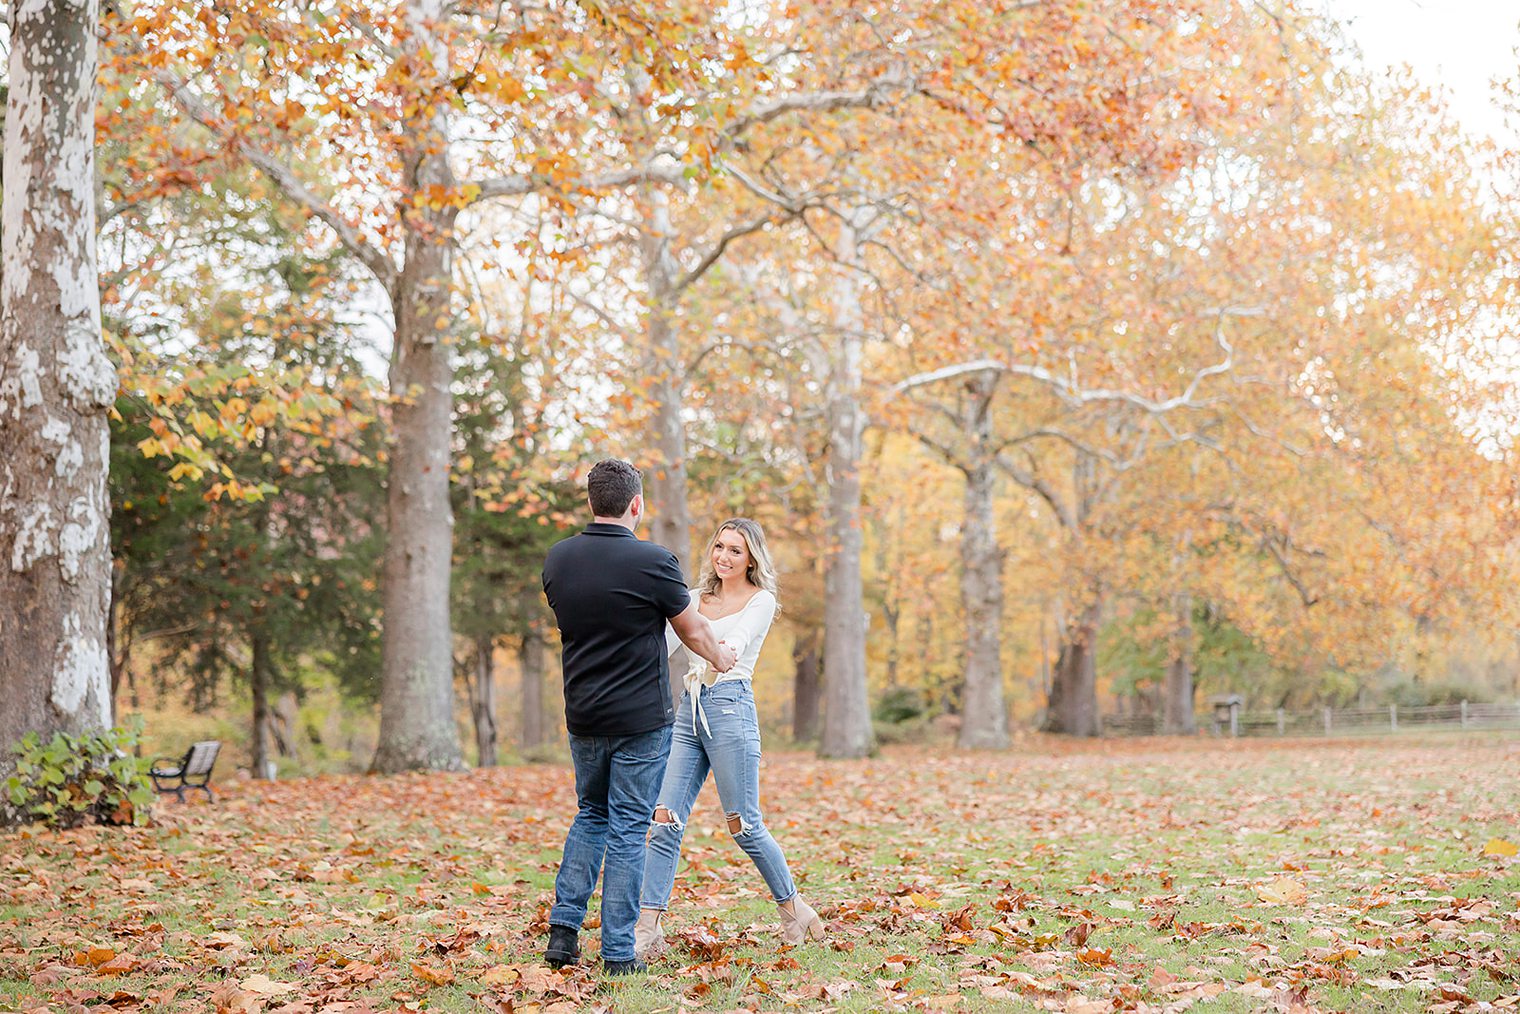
696, 633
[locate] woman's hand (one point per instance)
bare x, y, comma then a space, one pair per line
727, 656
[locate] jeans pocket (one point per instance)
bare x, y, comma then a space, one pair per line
649, 745
730, 693
586, 749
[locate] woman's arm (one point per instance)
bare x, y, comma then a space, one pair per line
753, 622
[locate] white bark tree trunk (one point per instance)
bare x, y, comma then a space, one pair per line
530, 656
1073, 707
483, 702
56, 385
671, 514
259, 672
806, 684
1177, 696
984, 714
846, 704
417, 727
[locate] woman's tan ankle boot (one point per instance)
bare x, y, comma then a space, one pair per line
800, 924
648, 937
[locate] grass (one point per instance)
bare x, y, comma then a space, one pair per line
1161, 874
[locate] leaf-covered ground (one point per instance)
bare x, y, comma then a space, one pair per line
1087, 877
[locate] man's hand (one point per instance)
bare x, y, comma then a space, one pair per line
695, 631
727, 657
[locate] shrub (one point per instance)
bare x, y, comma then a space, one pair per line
1412, 694
919, 729
72, 779
553, 752
898, 705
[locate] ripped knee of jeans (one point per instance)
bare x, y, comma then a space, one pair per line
664, 821
741, 828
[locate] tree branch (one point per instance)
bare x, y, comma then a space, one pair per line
1032, 482
1304, 595
606, 318
756, 348
1274, 543
952, 459
278, 173
876, 94
717, 250
791, 204
1071, 393
871, 96
527, 183
1102, 453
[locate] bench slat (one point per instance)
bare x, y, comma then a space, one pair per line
201, 757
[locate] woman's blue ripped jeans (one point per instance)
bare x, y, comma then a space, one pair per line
731, 751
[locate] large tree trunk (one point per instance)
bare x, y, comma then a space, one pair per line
417, 728
891, 607
530, 658
284, 717
118, 638
56, 385
984, 714
846, 710
259, 673
1177, 698
1073, 706
1045, 679
806, 685
483, 702
670, 513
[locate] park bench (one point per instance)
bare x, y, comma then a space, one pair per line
193, 771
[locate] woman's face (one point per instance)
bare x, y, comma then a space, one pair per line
730, 555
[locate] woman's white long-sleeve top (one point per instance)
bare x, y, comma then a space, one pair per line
743, 631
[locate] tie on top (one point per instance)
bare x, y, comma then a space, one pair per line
744, 631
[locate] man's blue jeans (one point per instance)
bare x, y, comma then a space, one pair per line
616, 779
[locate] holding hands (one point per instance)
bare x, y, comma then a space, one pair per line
726, 659
696, 632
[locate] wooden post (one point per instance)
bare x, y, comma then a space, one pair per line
1282, 722
1393, 718
1327, 721
1464, 714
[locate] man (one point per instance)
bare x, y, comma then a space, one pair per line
611, 594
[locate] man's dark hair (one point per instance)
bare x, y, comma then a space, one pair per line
611, 487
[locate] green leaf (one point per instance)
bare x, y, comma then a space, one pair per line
74, 777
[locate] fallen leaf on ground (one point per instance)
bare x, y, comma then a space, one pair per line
1282, 891
500, 975
265, 986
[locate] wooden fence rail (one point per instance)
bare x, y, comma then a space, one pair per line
1233, 721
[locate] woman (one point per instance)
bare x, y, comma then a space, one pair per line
717, 730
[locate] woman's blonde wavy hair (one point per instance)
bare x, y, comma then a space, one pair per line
762, 570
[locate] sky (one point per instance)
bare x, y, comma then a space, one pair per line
1458, 46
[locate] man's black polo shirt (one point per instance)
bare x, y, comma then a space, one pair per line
611, 594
